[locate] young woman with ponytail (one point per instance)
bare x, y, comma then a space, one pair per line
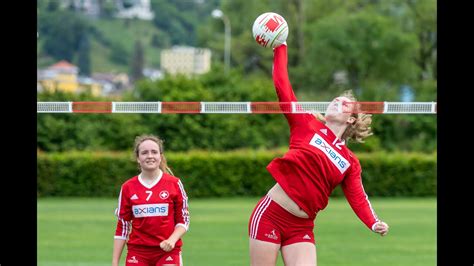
317, 161
152, 210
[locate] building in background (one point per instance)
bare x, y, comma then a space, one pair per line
63, 76
113, 84
128, 9
152, 74
186, 60
140, 9
87, 7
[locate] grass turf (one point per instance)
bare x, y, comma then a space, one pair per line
79, 232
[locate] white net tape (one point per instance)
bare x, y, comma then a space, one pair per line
413, 108
136, 107
229, 107
53, 107
226, 107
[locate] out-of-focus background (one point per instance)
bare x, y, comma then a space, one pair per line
156, 50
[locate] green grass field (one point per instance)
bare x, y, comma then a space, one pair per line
79, 232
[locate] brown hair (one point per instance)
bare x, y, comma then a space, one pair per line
360, 129
140, 139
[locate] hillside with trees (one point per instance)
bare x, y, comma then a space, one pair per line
384, 50
109, 42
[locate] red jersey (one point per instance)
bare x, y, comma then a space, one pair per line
317, 161
151, 212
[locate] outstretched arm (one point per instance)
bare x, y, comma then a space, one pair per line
359, 201
282, 83
280, 74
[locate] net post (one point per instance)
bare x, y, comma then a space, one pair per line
201, 107
385, 107
113, 107
69, 107
433, 107
159, 107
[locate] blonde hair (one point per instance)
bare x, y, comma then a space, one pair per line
360, 129
140, 139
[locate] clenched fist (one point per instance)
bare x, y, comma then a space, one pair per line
167, 245
381, 228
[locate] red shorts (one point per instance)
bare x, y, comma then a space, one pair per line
152, 256
271, 223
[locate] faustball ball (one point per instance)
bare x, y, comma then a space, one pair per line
270, 29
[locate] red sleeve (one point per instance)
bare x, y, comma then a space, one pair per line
356, 196
181, 211
124, 215
282, 83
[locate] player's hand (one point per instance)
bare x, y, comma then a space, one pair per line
284, 43
167, 245
381, 228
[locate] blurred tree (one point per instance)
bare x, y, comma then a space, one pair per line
180, 18
127, 3
83, 56
160, 40
425, 23
62, 32
107, 8
295, 16
418, 17
119, 54
137, 62
65, 132
53, 5
365, 47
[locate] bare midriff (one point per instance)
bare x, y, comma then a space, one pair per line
278, 195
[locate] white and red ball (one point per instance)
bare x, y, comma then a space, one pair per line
270, 30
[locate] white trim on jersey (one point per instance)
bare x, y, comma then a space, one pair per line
117, 210
184, 210
157, 179
183, 192
125, 225
368, 202
373, 226
182, 225
125, 228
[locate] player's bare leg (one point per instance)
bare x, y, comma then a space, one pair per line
299, 254
263, 253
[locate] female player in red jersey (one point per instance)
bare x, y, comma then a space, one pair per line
318, 160
152, 210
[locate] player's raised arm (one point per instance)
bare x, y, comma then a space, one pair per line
280, 74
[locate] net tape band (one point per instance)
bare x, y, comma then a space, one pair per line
232, 107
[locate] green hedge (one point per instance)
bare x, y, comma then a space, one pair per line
220, 174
